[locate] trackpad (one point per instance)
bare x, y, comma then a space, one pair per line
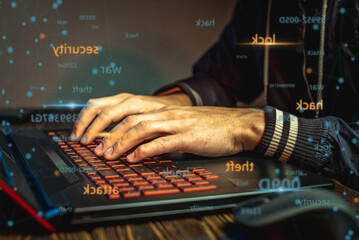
45, 163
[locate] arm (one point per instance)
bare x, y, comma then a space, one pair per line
219, 78
328, 146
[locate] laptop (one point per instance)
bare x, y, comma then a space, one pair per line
50, 183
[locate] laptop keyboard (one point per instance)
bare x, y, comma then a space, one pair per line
152, 176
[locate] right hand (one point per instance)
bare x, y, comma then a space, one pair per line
112, 109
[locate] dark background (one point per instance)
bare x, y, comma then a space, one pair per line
168, 44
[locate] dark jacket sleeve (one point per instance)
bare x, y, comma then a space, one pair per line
220, 77
327, 146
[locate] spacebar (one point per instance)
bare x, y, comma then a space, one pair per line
161, 191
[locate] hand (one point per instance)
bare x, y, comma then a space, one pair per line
209, 131
115, 108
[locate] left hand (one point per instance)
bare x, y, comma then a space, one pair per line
208, 131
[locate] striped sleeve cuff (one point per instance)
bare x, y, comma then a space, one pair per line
289, 138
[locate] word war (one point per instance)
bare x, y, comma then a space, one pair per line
112, 69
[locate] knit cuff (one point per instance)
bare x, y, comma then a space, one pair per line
291, 139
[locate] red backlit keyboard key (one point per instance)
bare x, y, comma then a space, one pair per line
131, 194
163, 185
160, 191
198, 188
145, 187
108, 173
200, 182
142, 170
208, 177
120, 185
182, 184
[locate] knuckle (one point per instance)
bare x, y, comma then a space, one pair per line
135, 99
130, 119
143, 124
91, 101
142, 150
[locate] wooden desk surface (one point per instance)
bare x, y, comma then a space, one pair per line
205, 227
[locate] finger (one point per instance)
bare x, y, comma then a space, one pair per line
86, 116
143, 131
128, 106
158, 146
125, 126
94, 106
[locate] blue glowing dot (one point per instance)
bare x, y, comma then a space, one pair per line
10, 145
28, 155
23, 24
351, 232
354, 140
326, 154
357, 216
60, 101
4, 37
315, 26
51, 45
13, 4
59, 2
357, 122
113, 64
351, 172
99, 48
10, 223
11, 174
27, 52
337, 87
336, 132
347, 237
10, 49
301, 110
36, 40
111, 83
44, 106
322, 140
344, 193
310, 139
342, 10
33, 149
3, 93
54, 6
94, 71
42, 88
297, 202
40, 64
40, 213
11, 61
60, 87
8, 124
353, 59
7, 101
277, 171
335, 209
343, 149
21, 110
33, 19
29, 94
45, 20
340, 80
64, 32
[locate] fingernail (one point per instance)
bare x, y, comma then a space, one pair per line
131, 156
83, 140
109, 152
99, 148
72, 137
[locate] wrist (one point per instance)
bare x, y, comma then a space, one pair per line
179, 99
255, 126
